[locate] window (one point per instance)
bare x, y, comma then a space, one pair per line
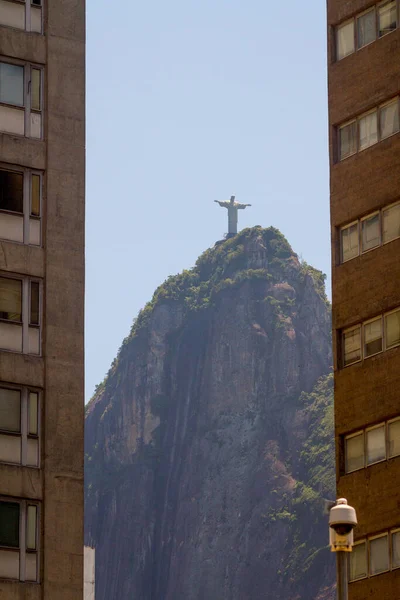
354, 452
348, 139
363, 132
371, 232
366, 28
20, 308
379, 228
345, 39
21, 15
392, 329
352, 345
20, 205
389, 119
387, 17
19, 526
349, 242
376, 444
394, 438
358, 561
21, 99
373, 337
379, 554
395, 549
368, 130
391, 223
19, 426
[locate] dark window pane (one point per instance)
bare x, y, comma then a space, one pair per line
10, 410
34, 303
11, 84
11, 191
37, 2
10, 299
35, 204
9, 524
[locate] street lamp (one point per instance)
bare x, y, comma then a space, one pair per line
342, 520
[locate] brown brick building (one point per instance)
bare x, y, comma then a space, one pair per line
364, 109
42, 155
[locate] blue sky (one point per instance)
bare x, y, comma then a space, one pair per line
190, 101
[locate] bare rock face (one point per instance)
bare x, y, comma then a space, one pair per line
209, 446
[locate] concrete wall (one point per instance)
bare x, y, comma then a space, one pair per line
365, 393
60, 263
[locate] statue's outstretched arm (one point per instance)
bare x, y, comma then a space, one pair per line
222, 203
242, 205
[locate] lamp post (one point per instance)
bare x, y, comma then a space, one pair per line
342, 520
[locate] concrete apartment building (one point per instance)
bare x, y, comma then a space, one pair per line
364, 92
42, 162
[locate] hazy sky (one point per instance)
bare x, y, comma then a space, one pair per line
190, 101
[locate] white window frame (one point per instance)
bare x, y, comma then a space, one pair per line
395, 100
348, 437
337, 28
364, 323
388, 423
360, 231
22, 550
24, 434
378, 37
390, 312
368, 429
358, 543
357, 17
371, 539
342, 126
349, 330
391, 532
374, 109
27, 95
342, 259
383, 210
26, 310
27, 201
28, 22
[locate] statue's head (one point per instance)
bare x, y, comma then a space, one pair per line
232, 200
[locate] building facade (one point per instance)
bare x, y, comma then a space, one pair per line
364, 114
42, 196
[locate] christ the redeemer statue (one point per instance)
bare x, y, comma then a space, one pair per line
233, 208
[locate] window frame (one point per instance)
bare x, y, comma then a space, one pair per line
342, 229
385, 208
28, 11
375, 109
378, 6
349, 330
371, 539
366, 431
357, 17
22, 549
388, 423
26, 108
23, 433
26, 214
391, 533
358, 543
348, 437
25, 321
354, 19
361, 221
395, 100
390, 312
368, 322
